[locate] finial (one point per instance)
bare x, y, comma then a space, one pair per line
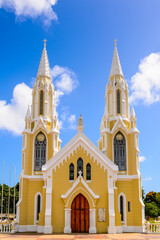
115, 42
44, 43
80, 126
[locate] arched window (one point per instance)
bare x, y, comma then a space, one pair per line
120, 151
79, 166
122, 208
40, 151
41, 103
38, 206
118, 102
71, 171
88, 171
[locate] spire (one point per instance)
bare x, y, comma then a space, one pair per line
133, 115
44, 69
116, 66
80, 126
28, 114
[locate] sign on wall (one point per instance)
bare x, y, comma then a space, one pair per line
101, 214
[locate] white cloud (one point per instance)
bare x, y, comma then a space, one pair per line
65, 81
31, 9
147, 179
142, 158
145, 84
13, 113
72, 121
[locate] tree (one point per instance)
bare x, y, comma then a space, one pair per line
151, 209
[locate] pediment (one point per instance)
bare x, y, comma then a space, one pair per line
40, 125
119, 125
80, 140
80, 186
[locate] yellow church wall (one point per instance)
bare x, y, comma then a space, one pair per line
98, 184
130, 151
131, 190
117, 213
30, 188
29, 156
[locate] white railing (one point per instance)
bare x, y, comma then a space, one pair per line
6, 227
152, 227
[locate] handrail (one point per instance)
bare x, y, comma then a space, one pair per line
152, 227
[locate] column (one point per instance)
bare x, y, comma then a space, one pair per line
92, 218
48, 227
111, 227
67, 228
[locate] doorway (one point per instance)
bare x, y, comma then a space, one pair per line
80, 214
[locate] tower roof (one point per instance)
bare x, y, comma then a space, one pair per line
116, 66
44, 69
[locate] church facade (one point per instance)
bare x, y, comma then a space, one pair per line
81, 187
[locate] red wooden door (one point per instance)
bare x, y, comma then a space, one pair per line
80, 214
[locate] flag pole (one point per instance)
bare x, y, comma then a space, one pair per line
14, 193
2, 193
9, 191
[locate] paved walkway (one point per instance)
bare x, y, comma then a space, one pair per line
124, 236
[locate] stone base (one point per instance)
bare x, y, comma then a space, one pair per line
111, 230
67, 230
92, 230
48, 229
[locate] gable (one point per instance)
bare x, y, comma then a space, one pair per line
80, 141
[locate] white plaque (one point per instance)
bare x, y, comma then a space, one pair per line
101, 214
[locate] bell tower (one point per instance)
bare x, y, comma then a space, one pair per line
41, 134
118, 126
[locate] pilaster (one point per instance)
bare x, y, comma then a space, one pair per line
67, 228
92, 218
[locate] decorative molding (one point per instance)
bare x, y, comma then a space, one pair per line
80, 180
80, 140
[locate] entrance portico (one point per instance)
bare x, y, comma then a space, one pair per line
80, 202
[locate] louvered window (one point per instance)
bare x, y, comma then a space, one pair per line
41, 103
120, 151
40, 151
118, 102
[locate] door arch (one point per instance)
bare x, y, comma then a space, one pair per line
80, 214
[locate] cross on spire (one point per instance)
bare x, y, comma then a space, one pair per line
44, 42
115, 42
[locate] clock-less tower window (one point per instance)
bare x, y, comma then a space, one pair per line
41, 103
40, 151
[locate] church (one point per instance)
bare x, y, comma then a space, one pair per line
80, 188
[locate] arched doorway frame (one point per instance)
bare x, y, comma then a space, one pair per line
80, 187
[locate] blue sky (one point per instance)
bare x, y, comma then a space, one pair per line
80, 38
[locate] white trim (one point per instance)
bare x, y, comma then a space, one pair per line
40, 229
80, 180
137, 229
35, 206
27, 228
118, 229
124, 207
127, 177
